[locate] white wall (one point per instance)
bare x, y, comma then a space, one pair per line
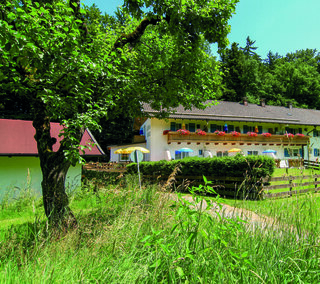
157, 142
20, 173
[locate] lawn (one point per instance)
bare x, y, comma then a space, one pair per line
128, 235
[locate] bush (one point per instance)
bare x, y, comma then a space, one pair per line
235, 166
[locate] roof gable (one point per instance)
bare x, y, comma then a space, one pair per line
17, 138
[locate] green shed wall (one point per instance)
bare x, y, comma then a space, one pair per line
20, 172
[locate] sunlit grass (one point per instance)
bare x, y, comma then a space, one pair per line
128, 235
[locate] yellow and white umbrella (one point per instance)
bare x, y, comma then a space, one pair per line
122, 151
141, 149
234, 150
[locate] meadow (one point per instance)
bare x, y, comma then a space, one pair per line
128, 235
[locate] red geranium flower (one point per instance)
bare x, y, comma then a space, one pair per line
201, 132
252, 134
220, 133
266, 134
235, 133
183, 132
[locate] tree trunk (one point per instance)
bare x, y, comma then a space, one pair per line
54, 167
55, 200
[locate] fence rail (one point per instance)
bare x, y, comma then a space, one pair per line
106, 167
240, 186
311, 164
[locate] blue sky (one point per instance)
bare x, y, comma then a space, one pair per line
278, 25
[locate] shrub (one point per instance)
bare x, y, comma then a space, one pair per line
235, 166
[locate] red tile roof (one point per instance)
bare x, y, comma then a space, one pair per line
17, 138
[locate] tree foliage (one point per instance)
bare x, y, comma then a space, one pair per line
279, 79
75, 66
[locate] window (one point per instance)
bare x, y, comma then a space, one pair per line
222, 154
214, 127
178, 155
316, 152
316, 133
293, 130
124, 157
173, 126
192, 127
253, 153
230, 128
247, 128
292, 152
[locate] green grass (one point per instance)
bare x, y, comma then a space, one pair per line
128, 235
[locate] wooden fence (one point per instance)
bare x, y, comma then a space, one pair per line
311, 165
235, 187
238, 187
106, 167
293, 185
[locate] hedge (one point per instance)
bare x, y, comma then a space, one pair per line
235, 166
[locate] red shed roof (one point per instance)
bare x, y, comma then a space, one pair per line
17, 138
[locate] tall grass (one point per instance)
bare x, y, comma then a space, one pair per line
128, 235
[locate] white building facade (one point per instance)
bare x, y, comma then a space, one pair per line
291, 133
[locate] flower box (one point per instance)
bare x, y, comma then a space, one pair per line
252, 134
183, 132
220, 133
300, 135
266, 134
200, 132
289, 135
235, 133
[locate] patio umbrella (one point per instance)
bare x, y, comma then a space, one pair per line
269, 151
141, 149
135, 149
234, 150
184, 150
122, 151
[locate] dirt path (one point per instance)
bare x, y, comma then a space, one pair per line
253, 220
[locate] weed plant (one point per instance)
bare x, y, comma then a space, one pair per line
128, 235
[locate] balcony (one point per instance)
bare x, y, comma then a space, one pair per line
211, 138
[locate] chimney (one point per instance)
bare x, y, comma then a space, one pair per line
262, 102
245, 101
289, 105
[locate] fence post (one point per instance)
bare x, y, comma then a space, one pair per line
290, 183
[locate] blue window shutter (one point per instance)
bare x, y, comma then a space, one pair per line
286, 152
260, 129
173, 126
300, 152
315, 152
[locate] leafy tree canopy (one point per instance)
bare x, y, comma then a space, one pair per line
74, 66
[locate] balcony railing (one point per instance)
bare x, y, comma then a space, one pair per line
242, 138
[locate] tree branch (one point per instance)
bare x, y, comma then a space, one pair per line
136, 34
